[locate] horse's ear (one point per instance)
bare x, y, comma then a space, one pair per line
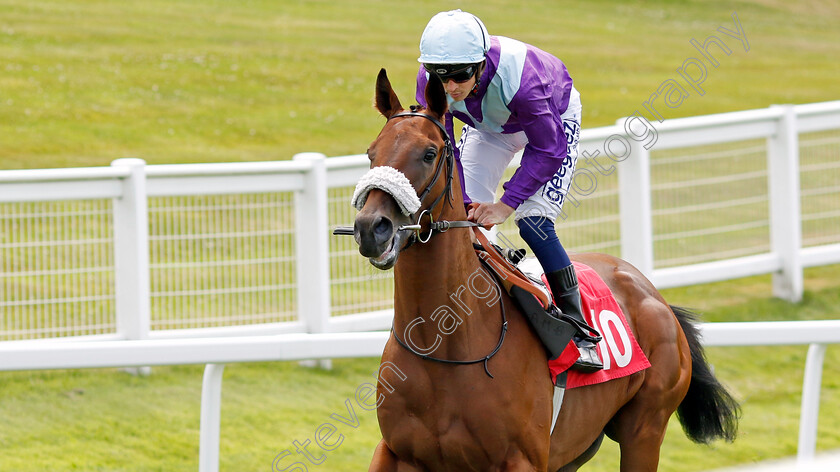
386, 100
436, 96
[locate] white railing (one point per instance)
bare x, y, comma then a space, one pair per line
157, 276
817, 334
215, 352
780, 126
135, 272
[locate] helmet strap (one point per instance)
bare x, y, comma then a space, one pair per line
478, 71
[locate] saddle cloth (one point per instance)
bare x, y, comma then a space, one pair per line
619, 350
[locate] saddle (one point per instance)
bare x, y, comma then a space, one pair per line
532, 297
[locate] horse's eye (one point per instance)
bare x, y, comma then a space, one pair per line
430, 155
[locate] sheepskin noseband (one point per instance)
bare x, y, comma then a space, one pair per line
389, 180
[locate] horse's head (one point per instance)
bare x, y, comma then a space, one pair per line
406, 160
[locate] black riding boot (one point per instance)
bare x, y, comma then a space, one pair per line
564, 287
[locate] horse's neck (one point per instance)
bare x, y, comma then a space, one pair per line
442, 282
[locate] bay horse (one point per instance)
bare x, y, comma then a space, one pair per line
441, 416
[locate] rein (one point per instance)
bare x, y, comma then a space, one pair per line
502, 269
509, 272
484, 359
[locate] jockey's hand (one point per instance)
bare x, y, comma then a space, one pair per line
489, 214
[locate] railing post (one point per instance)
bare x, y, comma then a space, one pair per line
312, 248
131, 254
211, 418
785, 214
634, 201
810, 412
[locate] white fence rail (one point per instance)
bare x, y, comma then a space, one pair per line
215, 352
141, 258
136, 252
780, 126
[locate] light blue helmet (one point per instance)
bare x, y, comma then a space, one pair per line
454, 37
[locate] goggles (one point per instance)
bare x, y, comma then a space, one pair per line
459, 73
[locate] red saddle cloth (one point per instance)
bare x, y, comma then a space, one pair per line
619, 350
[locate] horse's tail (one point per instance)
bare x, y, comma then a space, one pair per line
708, 411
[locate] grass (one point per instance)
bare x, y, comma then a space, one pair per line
89, 81
107, 420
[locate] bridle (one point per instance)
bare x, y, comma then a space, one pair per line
448, 160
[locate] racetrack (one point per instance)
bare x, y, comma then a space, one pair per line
83, 83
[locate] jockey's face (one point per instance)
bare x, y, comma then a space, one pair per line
459, 91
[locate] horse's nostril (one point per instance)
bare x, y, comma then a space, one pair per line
382, 229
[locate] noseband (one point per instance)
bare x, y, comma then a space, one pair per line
448, 159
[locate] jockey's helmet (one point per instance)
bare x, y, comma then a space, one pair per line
454, 37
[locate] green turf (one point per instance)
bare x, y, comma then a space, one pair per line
106, 420
86, 82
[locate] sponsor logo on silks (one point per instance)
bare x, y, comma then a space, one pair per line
463, 139
552, 191
572, 130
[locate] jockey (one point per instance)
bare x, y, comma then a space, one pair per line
511, 96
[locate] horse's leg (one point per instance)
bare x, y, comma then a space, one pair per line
639, 427
639, 435
588, 454
384, 459
522, 465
